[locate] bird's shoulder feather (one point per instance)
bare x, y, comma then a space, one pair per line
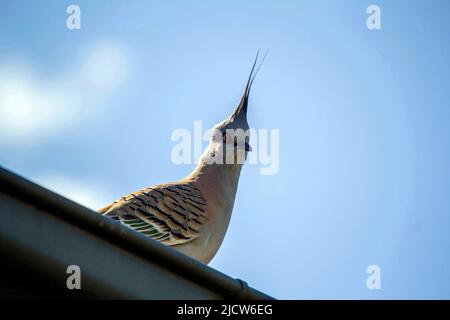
170, 213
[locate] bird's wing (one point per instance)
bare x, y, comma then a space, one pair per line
172, 213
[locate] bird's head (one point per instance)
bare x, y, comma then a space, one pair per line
229, 142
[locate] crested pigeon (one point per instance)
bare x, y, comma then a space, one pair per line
192, 215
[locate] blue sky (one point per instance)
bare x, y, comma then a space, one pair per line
363, 118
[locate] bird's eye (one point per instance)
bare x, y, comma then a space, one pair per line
224, 137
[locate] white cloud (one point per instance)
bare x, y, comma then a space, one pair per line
105, 66
30, 110
90, 194
33, 109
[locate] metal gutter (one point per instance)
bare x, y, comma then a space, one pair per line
42, 232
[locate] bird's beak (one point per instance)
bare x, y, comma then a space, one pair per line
248, 147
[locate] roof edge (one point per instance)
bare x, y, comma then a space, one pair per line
149, 249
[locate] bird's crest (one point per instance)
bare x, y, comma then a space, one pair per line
242, 107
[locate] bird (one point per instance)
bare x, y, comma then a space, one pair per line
192, 215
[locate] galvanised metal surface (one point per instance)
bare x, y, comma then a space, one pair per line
42, 233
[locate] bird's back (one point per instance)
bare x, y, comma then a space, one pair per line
172, 213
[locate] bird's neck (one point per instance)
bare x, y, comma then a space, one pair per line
217, 181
